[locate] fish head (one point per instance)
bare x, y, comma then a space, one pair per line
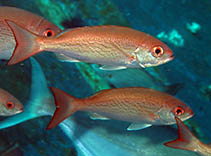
47, 29
153, 52
9, 104
174, 108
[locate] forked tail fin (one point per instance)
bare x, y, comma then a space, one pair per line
40, 102
26, 43
186, 140
65, 106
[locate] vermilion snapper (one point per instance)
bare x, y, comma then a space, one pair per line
25, 19
142, 107
187, 141
9, 105
114, 47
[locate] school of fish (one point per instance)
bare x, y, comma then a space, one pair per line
24, 34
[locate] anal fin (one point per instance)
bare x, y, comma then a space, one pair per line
107, 67
137, 126
95, 116
63, 58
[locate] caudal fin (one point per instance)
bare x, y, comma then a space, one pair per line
65, 106
40, 102
186, 140
26, 43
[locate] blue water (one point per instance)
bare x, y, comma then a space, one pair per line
183, 25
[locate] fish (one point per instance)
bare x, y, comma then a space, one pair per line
138, 78
187, 141
143, 107
27, 20
9, 105
113, 47
86, 134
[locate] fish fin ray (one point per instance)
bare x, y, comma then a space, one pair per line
96, 116
65, 106
137, 126
107, 67
186, 140
26, 44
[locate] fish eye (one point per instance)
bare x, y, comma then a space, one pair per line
10, 105
48, 33
178, 111
157, 51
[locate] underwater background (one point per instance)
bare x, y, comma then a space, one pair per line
183, 25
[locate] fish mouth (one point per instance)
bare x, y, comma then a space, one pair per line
169, 59
190, 115
20, 111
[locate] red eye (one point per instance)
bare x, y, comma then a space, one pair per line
178, 111
10, 105
157, 51
49, 33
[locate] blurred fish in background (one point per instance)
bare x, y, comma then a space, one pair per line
188, 73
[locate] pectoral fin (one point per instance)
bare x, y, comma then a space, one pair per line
95, 116
107, 67
63, 58
137, 126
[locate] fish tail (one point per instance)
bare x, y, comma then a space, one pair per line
26, 43
40, 102
65, 106
186, 140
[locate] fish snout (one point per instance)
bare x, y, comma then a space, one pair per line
171, 57
22, 109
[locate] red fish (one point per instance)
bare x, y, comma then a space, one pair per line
9, 105
187, 141
27, 20
142, 107
114, 47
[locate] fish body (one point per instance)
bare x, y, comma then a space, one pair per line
142, 107
187, 141
114, 47
27, 20
9, 105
